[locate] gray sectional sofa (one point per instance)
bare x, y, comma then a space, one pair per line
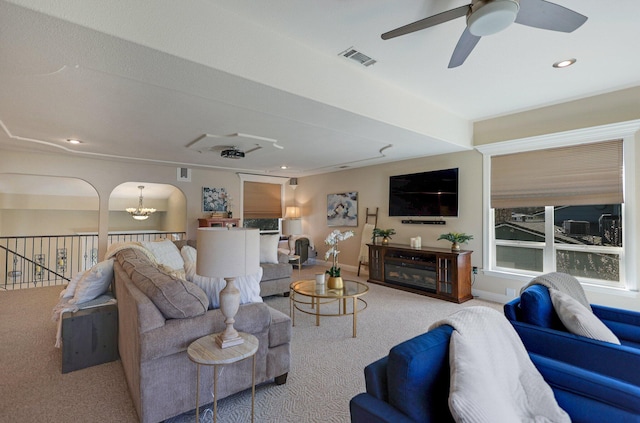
159, 316
276, 278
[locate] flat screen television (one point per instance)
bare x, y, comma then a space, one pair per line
433, 193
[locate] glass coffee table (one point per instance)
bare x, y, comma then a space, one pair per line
308, 297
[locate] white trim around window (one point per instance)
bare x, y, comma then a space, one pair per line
629, 133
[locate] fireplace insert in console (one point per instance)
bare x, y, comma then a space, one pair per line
414, 274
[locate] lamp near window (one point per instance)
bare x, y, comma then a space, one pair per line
292, 212
228, 253
291, 224
291, 227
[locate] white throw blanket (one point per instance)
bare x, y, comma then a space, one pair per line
562, 282
492, 377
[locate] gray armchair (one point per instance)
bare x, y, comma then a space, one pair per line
302, 249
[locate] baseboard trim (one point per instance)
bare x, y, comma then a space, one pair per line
490, 296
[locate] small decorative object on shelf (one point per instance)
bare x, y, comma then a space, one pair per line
335, 280
384, 233
456, 238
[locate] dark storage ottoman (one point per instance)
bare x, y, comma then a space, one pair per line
89, 337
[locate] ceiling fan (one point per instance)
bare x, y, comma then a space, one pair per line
486, 17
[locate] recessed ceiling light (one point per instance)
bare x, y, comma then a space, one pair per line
74, 141
564, 63
283, 167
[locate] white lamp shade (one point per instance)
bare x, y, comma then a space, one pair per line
291, 227
292, 212
228, 253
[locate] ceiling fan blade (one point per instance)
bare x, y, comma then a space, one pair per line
545, 15
427, 22
465, 45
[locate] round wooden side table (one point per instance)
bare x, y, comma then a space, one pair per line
205, 351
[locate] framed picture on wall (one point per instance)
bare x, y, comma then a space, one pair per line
342, 209
214, 199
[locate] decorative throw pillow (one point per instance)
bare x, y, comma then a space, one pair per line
166, 253
249, 287
93, 282
70, 290
189, 255
579, 320
175, 298
269, 248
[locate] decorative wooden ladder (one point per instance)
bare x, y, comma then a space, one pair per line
367, 235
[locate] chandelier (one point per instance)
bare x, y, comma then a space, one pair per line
140, 213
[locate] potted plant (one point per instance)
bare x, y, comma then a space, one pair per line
456, 238
335, 280
384, 233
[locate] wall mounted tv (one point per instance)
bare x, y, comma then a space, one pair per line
433, 193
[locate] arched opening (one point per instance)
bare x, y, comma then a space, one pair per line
41, 222
169, 202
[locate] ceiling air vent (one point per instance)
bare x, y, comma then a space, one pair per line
359, 57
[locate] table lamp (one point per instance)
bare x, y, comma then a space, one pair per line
228, 253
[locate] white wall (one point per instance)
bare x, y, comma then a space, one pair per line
372, 185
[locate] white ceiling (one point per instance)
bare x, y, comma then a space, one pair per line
146, 79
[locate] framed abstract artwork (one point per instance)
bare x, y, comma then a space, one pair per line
214, 199
342, 209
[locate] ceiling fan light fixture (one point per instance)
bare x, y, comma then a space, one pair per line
492, 16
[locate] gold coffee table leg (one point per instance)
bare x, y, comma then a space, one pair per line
355, 315
317, 310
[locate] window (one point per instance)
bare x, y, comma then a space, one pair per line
262, 202
587, 241
558, 203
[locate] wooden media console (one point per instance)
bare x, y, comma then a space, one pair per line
436, 272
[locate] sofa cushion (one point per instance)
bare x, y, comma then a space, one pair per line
275, 271
537, 308
175, 298
269, 248
165, 253
167, 256
176, 334
579, 320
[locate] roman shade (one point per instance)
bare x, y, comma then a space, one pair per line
262, 200
582, 174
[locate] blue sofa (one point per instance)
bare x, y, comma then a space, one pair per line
411, 384
541, 331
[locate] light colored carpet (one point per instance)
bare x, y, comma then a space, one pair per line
326, 369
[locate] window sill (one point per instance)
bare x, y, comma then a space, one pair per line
525, 278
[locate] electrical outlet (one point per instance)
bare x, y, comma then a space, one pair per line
474, 269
